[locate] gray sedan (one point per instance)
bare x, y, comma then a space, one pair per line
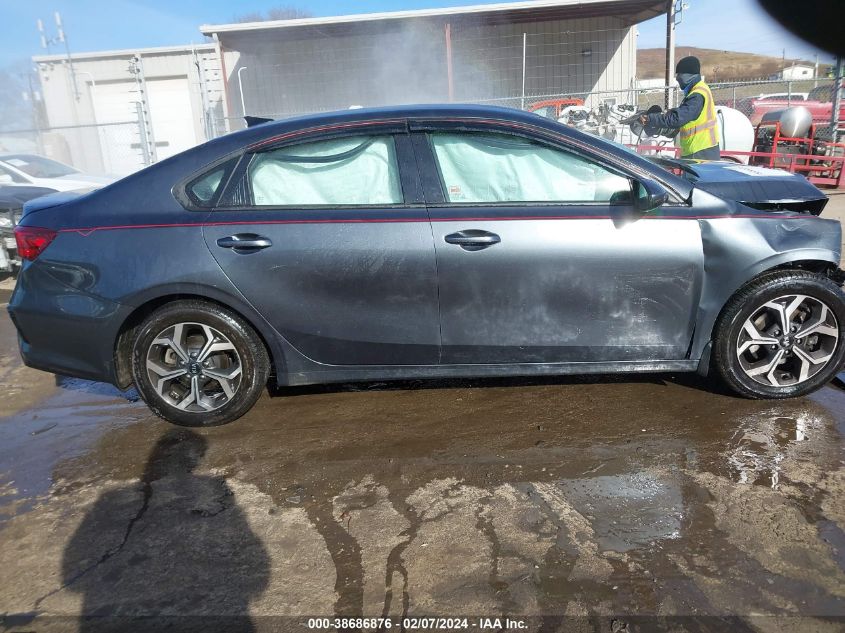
423, 242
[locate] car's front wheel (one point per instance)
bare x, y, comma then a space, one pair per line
197, 364
781, 336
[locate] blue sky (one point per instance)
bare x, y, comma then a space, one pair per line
111, 24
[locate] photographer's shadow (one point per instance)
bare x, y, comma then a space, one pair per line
172, 552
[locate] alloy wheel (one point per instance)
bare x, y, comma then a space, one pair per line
787, 340
194, 367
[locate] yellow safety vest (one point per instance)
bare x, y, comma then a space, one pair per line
703, 132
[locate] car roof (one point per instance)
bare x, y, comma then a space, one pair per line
425, 112
422, 111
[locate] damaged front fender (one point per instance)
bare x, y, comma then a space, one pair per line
738, 249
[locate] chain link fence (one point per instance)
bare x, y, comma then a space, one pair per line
106, 148
603, 112
753, 98
120, 148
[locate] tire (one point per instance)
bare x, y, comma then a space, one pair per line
175, 379
783, 366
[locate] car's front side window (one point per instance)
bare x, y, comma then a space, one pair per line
499, 168
359, 170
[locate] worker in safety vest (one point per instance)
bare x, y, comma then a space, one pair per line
698, 136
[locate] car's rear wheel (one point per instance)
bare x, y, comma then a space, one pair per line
781, 336
197, 364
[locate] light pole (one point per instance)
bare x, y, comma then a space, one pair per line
241, 89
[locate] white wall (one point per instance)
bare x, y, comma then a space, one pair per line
100, 132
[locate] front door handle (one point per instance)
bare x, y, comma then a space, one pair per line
244, 242
473, 239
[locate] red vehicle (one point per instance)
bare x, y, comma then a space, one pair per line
819, 102
550, 108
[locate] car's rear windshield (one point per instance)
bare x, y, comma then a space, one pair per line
37, 166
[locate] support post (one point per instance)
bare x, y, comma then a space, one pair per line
837, 100
524, 50
670, 52
449, 62
241, 89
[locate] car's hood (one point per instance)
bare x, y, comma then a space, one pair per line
757, 187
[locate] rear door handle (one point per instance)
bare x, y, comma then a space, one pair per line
245, 242
473, 239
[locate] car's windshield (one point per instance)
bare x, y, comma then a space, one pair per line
38, 166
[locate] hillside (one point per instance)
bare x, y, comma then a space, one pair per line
716, 65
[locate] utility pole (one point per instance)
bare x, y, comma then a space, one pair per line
837, 100
449, 77
60, 38
670, 51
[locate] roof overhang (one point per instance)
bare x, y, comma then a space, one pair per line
630, 11
128, 52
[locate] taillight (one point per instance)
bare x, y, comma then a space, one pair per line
32, 240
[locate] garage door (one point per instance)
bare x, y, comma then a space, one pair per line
120, 139
171, 116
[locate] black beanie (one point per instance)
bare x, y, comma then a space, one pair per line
689, 65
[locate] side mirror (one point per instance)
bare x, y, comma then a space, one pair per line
650, 196
5, 178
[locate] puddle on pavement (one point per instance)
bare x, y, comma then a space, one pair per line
763, 441
64, 425
628, 511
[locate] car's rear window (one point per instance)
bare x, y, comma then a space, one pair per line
38, 166
204, 189
360, 170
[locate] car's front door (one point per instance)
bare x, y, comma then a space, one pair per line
330, 240
541, 259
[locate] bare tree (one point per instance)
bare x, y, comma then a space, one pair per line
279, 13
20, 102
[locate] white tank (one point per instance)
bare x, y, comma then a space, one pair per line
795, 122
736, 131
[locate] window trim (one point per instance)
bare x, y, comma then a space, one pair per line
229, 167
432, 157
181, 190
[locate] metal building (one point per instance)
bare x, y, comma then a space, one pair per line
116, 111
506, 53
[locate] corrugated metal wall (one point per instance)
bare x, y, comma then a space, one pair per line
296, 70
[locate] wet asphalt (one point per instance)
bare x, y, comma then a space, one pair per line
596, 503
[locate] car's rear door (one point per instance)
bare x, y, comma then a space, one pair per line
541, 258
330, 240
